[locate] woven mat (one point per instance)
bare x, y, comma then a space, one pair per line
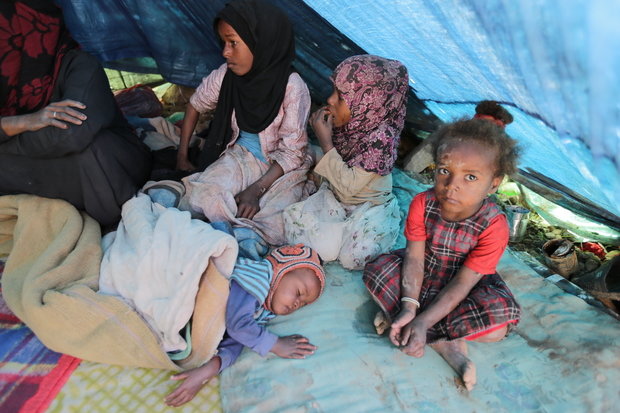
30, 374
95, 387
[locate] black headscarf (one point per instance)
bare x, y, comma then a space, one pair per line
257, 96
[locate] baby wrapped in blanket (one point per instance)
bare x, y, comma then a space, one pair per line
181, 275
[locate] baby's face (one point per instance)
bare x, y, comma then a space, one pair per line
296, 289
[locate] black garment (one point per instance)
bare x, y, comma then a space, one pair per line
256, 96
96, 166
33, 45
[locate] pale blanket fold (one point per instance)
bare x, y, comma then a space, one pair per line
50, 282
155, 260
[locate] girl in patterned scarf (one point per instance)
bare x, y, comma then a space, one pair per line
443, 288
354, 216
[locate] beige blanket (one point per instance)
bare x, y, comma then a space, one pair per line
50, 281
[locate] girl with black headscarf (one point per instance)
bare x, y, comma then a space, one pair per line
256, 152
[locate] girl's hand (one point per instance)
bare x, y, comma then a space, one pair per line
57, 114
399, 334
247, 201
417, 339
293, 347
322, 122
183, 164
195, 379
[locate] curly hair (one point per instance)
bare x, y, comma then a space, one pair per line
487, 134
494, 109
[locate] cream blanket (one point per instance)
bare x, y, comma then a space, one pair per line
51, 279
155, 260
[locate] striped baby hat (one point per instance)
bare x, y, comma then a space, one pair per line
288, 258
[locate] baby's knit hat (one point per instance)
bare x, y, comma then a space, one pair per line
291, 257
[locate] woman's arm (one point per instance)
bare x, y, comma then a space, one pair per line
194, 380
55, 114
81, 80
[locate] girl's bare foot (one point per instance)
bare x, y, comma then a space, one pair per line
455, 354
381, 323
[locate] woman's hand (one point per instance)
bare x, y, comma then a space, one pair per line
195, 379
248, 201
293, 347
322, 122
57, 114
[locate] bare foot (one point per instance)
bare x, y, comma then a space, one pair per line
455, 354
381, 323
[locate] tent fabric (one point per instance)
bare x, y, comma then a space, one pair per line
553, 63
176, 38
540, 367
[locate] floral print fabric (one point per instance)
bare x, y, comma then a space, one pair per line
211, 193
352, 234
32, 44
375, 89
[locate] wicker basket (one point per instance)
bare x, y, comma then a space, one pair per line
565, 265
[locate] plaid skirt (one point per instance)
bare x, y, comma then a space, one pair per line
488, 305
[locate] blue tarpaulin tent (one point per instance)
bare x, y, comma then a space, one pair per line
555, 64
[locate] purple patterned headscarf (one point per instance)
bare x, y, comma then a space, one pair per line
375, 89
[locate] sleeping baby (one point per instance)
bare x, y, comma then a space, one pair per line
289, 278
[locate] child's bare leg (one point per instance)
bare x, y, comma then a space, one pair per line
381, 322
493, 336
455, 354
195, 379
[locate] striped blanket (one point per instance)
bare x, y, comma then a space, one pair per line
30, 374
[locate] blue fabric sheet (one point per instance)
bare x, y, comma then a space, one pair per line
555, 64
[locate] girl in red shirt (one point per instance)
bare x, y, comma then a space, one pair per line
443, 289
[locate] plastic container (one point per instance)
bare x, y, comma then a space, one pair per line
603, 283
518, 217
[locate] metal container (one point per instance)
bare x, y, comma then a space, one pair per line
518, 217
